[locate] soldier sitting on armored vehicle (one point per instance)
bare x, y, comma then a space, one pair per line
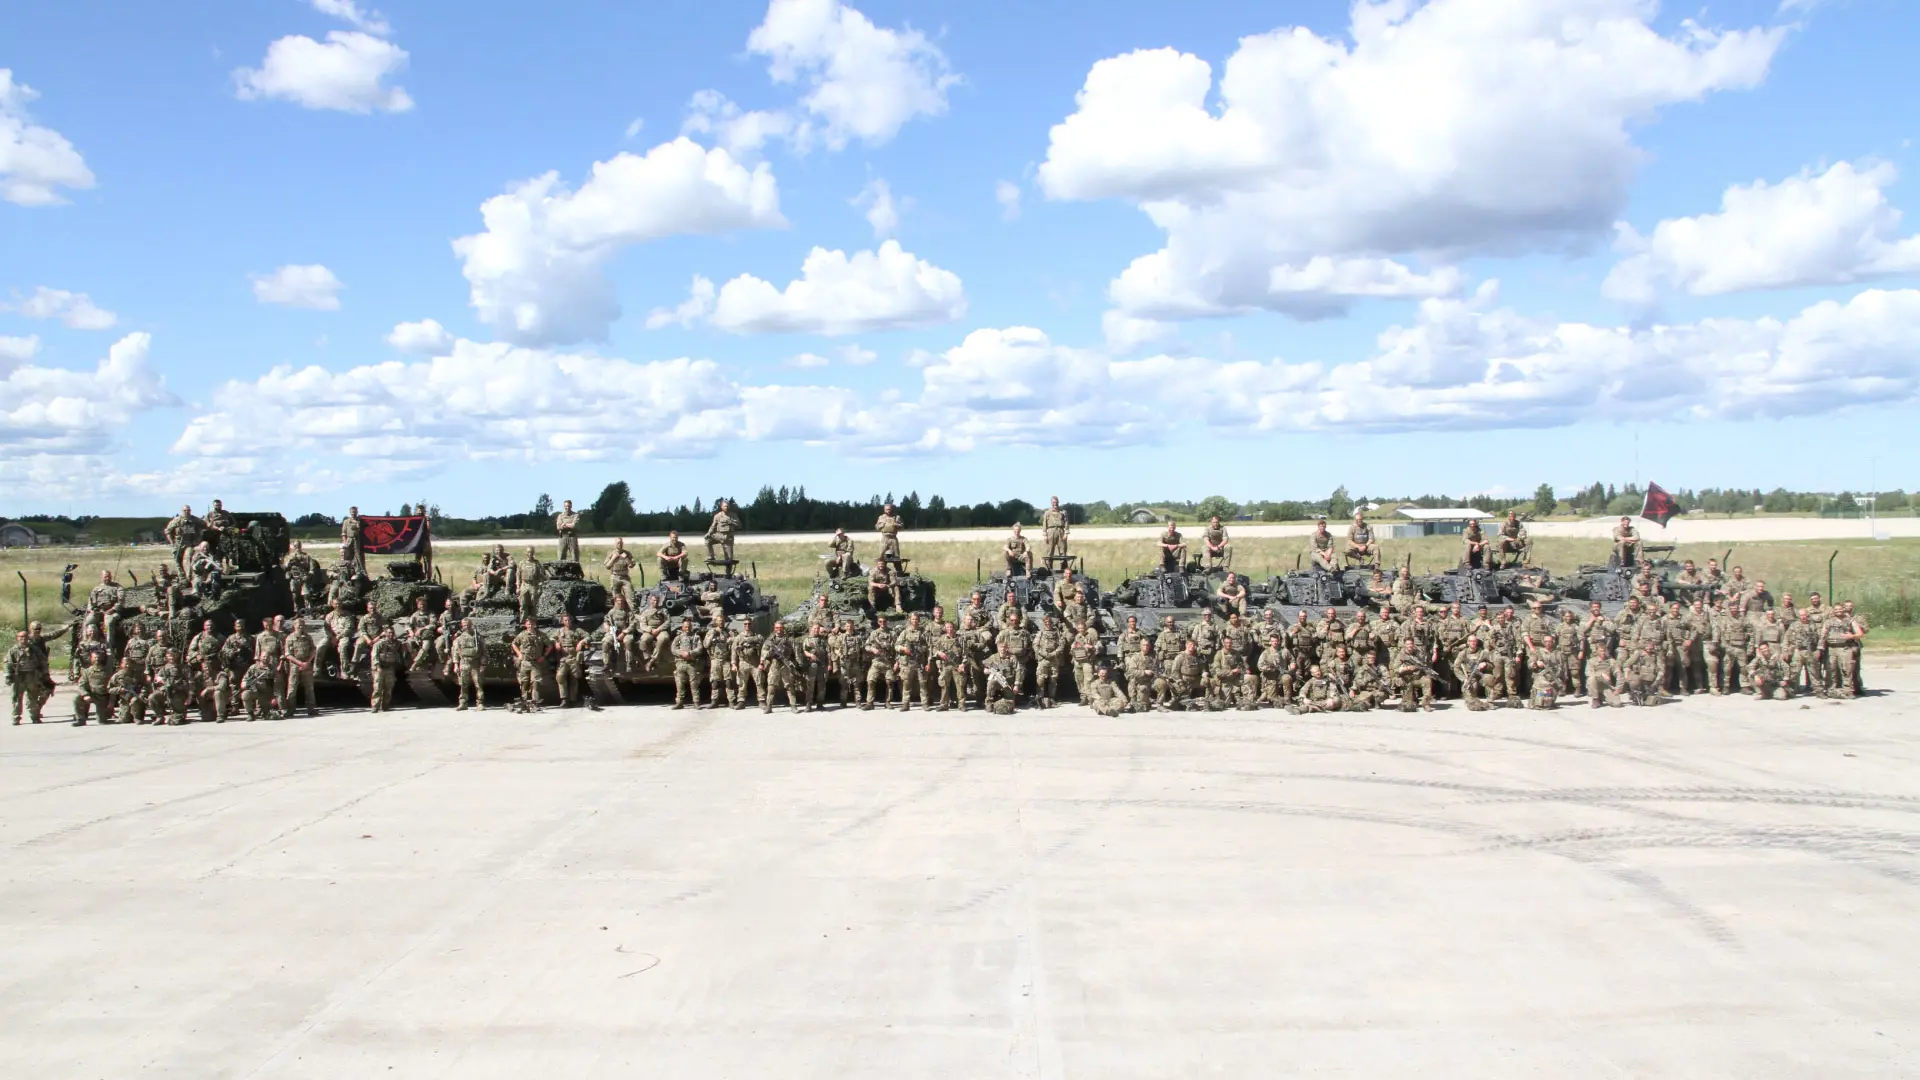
881, 582
1320, 552
1513, 547
1362, 549
1474, 542
207, 575
1019, 554
840, 561
1626, 544
1218, 549
673, 558
1231, 597
496, 570
1173, 550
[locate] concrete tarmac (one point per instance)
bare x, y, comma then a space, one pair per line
1713, 888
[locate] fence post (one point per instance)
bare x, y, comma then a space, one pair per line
1831, 598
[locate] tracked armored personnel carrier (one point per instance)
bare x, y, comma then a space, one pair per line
847, 597
700, 597
252, 591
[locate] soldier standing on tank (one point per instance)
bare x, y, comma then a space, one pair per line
184, 532
530, 650
620, 565
778, 662
566, 525
570, 673
353, 550
888, 526
720, 535
749, 674
1054, 528
529, 576
688, 654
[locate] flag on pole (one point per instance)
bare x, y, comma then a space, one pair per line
1659, 507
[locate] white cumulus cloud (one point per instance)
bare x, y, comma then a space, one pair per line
347, 73
350, 12
1439, 130
836, 293
76, 310
17, 350
35, 161
862, 81
67, 413
426, 337
536, 272
312, 287
882, 213
1830, 229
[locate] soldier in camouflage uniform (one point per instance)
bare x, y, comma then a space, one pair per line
530, 650
1413, 676
1606, 679
1366, 686
1806, 654
816, 660
949, 658
469, 667
1769, 674
127, 689
656, 634
1227, 683
1549, 675
1318, 694
672, 558
570, 669
212, 687
1186, 676
847, 660
302, 657
341, 625
1626, 544
1145, 688
1474, 543
1513, 546
718, 645
170, 691
689, 656
888, 525
1085, 650
1103, 697
1050, 650
353, 551
566, 526
1276, 678
1642, 671
1054, 527
94, 694
779, 662
720, 533
1173, 550
915, 656
388, 656
183, 531
1362, 549
303, 575
1734, 635
1843, 657
748, 673
1003, 680
1019, 554
1478, 672
879, 659
257, 690
882, 583
619, 564
1320, 552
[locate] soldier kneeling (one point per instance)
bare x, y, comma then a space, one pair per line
1318, 694
1106, 698
1769, 675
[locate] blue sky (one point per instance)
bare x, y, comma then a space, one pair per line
1381, 250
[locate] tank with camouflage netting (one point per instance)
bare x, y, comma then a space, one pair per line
848, 597
251, 592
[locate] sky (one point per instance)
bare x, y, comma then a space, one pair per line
300, 254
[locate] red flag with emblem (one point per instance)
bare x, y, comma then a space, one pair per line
396, 535
1659, 507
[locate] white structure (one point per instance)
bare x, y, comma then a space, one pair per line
1444, 521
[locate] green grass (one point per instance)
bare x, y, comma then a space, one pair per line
1879, 576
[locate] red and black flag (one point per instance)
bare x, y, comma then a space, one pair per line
1659, 506
394, 535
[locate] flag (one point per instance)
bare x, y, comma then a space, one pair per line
393, 535
1659, 506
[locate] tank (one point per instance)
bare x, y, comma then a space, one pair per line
255, 590
847, 597
701, 595
1033, 595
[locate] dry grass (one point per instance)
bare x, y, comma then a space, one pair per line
1876, 575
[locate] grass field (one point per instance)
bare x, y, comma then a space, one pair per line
1877, 576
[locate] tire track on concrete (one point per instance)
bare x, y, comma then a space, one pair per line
153, 767
347, 805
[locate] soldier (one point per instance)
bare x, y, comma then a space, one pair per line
1019, 554
1626, 544
1478, 673
720, 532
1362, 549
257, 690
1226, 683
778, 663
1550, 675
530, 651
469, 666
619, 564
1215, 544
840, 561
570, 669
1769, 674
881, 582
689, 657
1690, 576
815, 660
303, 574
911, 646
89, 646
1366, 685
880, 657
184, 532
1642, 673
888, 526
748, 674
949, 659
1054, 528
1173, 550
103, 606
1855, 644
1186, 676
718, 645
269, 646
1206, 636
1843, 636
1231, 597
1318, 694
1085, 650
1806, 654
566, 526
1075, 611
1104, 697
1130, 638
205, 571
496, 572
846, 661
528, 576
93, 693
656, 633
353, 551
1145, 688
236, 652
1050, 648
1320, 549
1605, 680
1734, 634
171, 690
977, 646
204, 645
1414, 678
127, 690
1475, 544
673, 558
1003, 680
1513, 546
1276, 681
137, 649
388, 656
213, 688
301, 657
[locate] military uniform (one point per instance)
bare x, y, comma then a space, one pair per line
720, 537
532, 647
94, 694
570, 669
619, 566
1106, 699
888, 526
816, 658
1734, 634
1642, 671
780, 660
1806, 663
127, 688
388, 656
1842, 657
1050, 647
168, 695
1085, 650
302, 656
1415, 684
911, 647
689, 654
1003, 680
1770, 677
747, 672
352, 551
1053, 526
469, 667
257, 690
718, 645
1145, 688
1317, 695
881, 678
1186, 675
566, 525
302, 576
1478, 672
183, 531
1276, 681
1366, 689
1550, 679
949, 659
212, 687
1606, 681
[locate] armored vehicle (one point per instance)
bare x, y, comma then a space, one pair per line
1182, 594
700, 597
847, 597
251, 589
